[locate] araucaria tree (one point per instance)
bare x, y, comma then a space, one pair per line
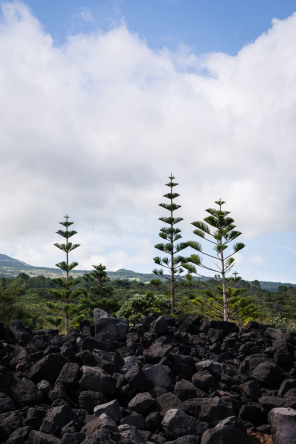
174, 262
218, 229
66, 293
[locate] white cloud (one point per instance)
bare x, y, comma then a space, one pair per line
95, 127
86, 15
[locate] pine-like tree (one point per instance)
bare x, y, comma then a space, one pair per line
66, 293
173, 263
98, 280
219, 230
98, 295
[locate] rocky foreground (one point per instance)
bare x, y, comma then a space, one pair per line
165, 380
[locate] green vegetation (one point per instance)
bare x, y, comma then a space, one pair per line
173, 263
66, 294
140, 305
29, 296
98, 294
219, 230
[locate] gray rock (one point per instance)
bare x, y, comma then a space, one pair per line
158, 376
25, 392
89, 399
215, 368
184, 389
22, 334
112, 409
103, 421
55, 420
203, 380
69, 374
136, 420
94, 378
99, 314
168, 401
283, 424
268, 373
130, 435
227, 431
37, 437
6, 403
176, 423
47, 368
141, 402
214, 409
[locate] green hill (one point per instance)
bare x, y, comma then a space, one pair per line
10, 267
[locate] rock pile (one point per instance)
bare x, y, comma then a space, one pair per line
165, 380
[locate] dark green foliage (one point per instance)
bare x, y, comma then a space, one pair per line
97, 294
140, 305
240, 309
66, 293
174, 262
219, 230
98, 281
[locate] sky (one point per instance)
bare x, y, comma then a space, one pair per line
101, 100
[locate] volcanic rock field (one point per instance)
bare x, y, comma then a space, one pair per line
165, 380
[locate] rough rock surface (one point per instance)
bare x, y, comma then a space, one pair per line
162, 381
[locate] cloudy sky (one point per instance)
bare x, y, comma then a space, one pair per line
100, 101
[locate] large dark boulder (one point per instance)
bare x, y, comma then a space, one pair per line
283, 423
47, 368
176, 423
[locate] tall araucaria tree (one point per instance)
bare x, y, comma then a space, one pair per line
174, 262
66, 294
218, 229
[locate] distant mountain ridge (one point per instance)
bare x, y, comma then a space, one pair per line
11, 267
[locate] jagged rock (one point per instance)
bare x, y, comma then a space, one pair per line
157, 350
227, 431
6, 403
112, 409
159, 365
25, 392
286, 385
94, 378
160, 326
55, 420
88, 399
251, 389
129, 435
283, 423
73, 438
22, 334
213, 367
99, 314
135, 420
138, 379
268, 373
102, 422
37, 437
19, 436
213, 410
168, 401
158, 375
111, 328
188, 439
252, 413
203, 380
47, 368
182, 364
69, 374
141, 402
184, 389
176, 423
110, 362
